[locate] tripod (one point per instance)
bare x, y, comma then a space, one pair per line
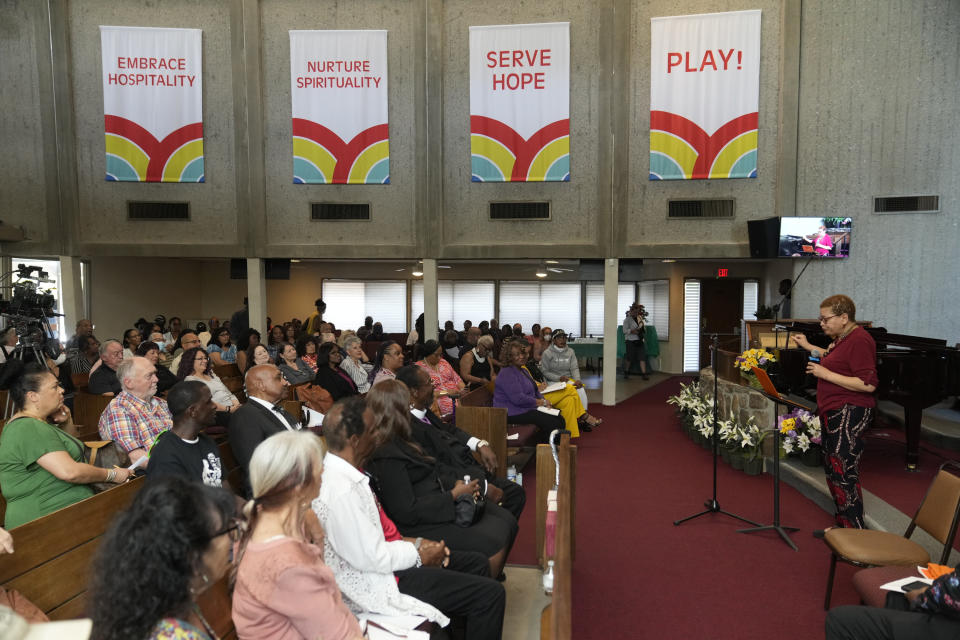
712, 506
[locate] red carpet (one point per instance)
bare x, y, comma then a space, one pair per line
636, 575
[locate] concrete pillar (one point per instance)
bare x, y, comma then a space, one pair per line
71, 290
257, 296
611, 277
430, 311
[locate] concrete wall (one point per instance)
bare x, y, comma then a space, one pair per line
856, 100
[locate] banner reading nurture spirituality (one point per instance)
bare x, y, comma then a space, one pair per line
153, 104
338, 88
520, 103
704, 96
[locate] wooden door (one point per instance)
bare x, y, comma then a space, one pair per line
721, 305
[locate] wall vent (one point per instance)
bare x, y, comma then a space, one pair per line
339, 211
700, 209
519, 210
158, 210
906, 204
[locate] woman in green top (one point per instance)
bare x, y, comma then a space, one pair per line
41, 467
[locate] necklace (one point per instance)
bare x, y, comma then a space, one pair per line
206, 625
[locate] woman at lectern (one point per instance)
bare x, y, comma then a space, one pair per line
846, 375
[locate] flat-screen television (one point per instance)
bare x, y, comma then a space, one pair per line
815, 237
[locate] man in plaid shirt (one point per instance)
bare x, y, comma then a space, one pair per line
135, 418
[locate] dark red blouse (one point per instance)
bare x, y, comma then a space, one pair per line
855, 355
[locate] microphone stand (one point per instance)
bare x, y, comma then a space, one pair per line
793, 283
712, 506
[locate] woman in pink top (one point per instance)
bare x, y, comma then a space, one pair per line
446, 382
284, 591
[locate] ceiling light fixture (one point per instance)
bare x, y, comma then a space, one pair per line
417, 269
541, 271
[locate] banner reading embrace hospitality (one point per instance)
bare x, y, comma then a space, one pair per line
520, 103
153, 104
338, 90
704, 96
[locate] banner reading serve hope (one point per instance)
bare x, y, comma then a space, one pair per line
520, 103
704, 96
153, 104
338, 93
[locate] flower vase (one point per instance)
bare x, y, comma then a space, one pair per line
753, 466
751, 380
812, 457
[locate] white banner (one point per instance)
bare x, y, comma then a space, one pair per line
338, 91
704, 96
153, 104
520, 102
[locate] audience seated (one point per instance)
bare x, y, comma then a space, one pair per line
165, 377
202, 333
329, 374
188, 340
418, 495
88, 353
376, 568
84, 328
541, 341
451, 447
468, 340
254, 356
275, 339
293, 368
135, 417
42, 468
249, 339
290, 333
566, 400
934, 614
559, 364
376, 333
389, 359
222, 351
260, 417
173, 330
183, 450
307, 350
131, 340
163, 357
476, 364
353, 364
283, 588
195, 365
445, 380
451, 348
415, 337
104, 381
157, 558
517, 392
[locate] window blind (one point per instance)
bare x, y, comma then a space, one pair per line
691, 325
350, 301
751, 292
457, 301
655, 297
626, 294
553, 304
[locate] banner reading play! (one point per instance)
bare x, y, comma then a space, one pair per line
520, 103
153, 104
704, 96
338, 89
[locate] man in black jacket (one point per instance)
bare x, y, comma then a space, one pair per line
260, 417
452, 446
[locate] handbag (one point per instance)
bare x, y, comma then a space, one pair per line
468, 509
104, 454
315, 397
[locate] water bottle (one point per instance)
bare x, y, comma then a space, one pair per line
548, 578
512, 473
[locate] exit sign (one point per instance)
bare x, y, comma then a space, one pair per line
723, 272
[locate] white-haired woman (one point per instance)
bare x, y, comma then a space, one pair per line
353, 364
284, 591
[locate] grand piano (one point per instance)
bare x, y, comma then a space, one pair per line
914, 372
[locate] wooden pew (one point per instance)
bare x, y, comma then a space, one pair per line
556, 620
490, 424
54, 553
87, 408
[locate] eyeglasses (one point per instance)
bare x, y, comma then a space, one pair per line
233, 529
824, 319
200, 358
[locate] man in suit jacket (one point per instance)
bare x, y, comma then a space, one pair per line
260, 417
452, 446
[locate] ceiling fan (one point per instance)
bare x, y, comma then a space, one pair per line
417, 269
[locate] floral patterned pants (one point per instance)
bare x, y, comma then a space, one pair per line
842, 445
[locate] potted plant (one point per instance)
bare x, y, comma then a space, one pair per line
800, 435
750, 443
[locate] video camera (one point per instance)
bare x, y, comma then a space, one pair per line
29, 307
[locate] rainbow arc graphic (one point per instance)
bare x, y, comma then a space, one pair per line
135, 155
681, 150
500, 154
322, 157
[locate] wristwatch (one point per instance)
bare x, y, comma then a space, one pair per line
482, 443
416, 545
